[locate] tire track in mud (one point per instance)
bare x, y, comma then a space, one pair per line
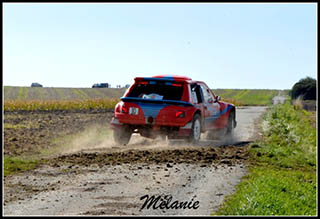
110, 179
192, 154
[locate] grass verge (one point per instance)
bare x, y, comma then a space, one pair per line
282, 172
13, 165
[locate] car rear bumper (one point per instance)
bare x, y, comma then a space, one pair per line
180, 131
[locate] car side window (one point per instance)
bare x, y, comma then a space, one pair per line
206, 93
194, 97
196, 93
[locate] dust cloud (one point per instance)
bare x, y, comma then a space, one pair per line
93, 137
230, 140
99, 138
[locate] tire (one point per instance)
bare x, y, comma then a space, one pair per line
195, 130
122, 135
230, 126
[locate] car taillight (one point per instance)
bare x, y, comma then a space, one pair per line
180, 114
124, 109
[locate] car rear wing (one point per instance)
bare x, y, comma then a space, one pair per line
165, 78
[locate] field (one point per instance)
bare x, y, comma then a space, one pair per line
51, 93
47, 97
30, 133
247, 97
49, 105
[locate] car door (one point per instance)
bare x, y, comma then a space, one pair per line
198, 100
211, 107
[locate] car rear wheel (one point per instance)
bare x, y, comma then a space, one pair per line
195, 130
122, 135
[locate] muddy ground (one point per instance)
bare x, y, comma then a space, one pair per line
89, 174
28, 132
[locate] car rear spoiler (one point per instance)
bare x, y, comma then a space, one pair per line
171, 102
171, 79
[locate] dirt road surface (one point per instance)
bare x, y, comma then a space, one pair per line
107, 179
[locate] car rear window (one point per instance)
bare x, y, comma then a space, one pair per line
161, 90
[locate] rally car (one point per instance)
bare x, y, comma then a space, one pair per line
174, 107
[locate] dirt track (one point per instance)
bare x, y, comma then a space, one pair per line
101, 178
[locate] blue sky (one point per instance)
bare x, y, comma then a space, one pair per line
267, 46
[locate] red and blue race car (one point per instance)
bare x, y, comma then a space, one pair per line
171, 106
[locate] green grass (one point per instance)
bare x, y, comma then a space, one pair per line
290, 139
83, 93
13, 165
21, 125
79, 94
282, 172
96, 92
25, 94
269, 191
20, 93
248, 97
55, 93
61, 94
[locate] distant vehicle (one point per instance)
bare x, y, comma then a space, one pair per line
36, 85
101, 85
127, 86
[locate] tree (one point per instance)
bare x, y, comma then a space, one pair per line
306, 88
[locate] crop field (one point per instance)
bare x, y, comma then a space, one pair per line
47, 105
49, 98
248, 97
54, 93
